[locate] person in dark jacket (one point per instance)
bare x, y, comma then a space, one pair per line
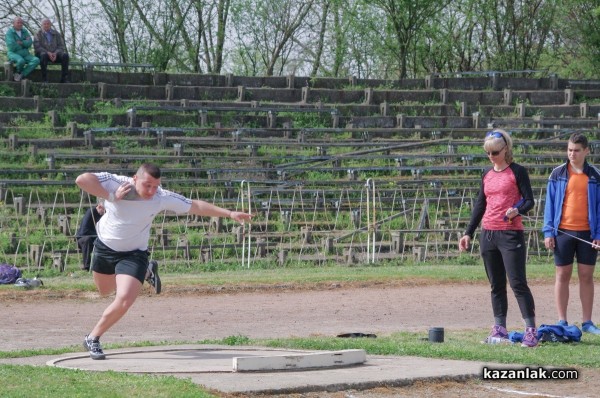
86, 234
505, 194
572, 228
49, 46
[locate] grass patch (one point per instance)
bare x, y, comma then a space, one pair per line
459, 345
334, 274
35, 381
301, 276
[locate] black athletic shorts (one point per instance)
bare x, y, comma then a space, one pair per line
107, 261
567, 248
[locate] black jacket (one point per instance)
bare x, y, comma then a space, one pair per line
88, 223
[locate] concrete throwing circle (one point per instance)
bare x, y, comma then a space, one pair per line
203, 359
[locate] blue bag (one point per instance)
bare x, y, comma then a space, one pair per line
9, 274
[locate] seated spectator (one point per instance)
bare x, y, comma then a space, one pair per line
86, 234
49, 46
18, 43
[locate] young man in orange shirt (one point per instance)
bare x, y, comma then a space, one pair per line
571, 220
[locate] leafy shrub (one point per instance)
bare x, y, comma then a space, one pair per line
6, 91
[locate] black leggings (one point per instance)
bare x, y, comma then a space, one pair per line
504, 254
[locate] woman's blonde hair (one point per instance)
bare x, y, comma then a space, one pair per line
496, 140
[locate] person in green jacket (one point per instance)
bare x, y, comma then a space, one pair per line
18, 43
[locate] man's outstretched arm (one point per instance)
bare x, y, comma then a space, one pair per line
202, 208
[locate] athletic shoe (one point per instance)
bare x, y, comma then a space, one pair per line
23, 282
94, 348
29, 283
152, 276
498, 335
530, 339
562, 322
17, 77
589, 327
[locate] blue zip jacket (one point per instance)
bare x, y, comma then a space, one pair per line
569, 333
555, 194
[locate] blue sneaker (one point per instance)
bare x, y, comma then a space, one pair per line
589, 327
562, 322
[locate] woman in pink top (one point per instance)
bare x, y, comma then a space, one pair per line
504, 195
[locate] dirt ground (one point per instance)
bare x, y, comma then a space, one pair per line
42, 318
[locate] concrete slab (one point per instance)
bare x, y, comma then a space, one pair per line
212, 367
168, 359
376, 372
302, 361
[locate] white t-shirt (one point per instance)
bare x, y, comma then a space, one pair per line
126, 224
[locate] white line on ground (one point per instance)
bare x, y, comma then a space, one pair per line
534, 394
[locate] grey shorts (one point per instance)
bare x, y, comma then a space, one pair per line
109, 262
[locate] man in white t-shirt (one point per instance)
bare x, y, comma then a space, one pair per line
120, 256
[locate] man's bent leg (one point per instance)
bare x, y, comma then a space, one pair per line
43, 57
64, 66
105, 283
561, 289
127, 290
32, 63
18, 61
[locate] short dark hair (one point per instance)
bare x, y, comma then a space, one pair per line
151, 169
578, 138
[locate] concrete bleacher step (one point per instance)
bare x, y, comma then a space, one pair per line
12, 118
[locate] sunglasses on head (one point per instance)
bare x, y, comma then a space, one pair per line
496, 134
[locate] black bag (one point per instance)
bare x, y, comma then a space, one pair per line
551, 337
